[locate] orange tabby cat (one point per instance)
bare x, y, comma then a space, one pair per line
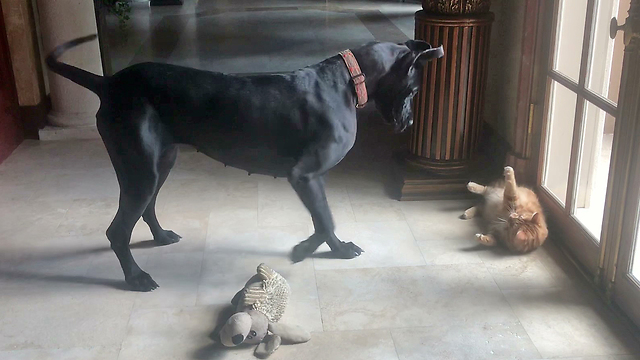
513, 215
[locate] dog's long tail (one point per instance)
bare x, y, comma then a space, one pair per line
81, 77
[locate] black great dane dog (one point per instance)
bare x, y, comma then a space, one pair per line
297, 125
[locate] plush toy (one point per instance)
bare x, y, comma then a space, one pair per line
259, 306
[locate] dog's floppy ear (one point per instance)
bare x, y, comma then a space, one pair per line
427, 55
418, 45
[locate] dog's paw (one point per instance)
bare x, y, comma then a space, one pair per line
302, 251
142, 282
348, 251
167, 237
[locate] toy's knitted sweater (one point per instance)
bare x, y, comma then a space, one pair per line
269, 296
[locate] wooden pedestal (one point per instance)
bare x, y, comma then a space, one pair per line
418, 184
448, 107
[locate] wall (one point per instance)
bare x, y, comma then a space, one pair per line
11, 132
27, 66
504, 66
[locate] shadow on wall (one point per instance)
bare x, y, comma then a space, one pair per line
504, 66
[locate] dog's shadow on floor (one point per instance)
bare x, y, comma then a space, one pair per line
324, 255
24, 276
17, 274
145, 244
21, 272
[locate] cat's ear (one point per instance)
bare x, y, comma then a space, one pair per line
535, 218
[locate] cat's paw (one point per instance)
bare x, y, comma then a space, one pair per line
469, 213
508, 172
475, 188
487, 240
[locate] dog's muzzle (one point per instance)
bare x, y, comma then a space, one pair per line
403, 113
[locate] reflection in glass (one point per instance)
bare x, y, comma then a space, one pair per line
569, 35
605, 69
562, 109
593, 171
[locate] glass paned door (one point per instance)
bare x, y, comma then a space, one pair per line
590, 174
583, 84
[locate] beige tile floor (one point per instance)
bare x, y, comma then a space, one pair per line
422, 290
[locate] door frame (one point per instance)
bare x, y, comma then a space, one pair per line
621, 286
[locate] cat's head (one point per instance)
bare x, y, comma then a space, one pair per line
526, 231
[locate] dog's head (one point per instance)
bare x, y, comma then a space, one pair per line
395, 90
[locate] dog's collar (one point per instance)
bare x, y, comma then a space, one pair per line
357, 76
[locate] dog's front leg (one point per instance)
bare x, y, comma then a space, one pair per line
311, 192
307, 179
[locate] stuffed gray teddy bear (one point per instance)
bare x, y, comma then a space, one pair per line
259, 306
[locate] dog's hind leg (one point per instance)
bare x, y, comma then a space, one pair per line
137, 187
160, 235
134, 147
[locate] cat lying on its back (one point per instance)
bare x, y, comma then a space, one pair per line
512, 214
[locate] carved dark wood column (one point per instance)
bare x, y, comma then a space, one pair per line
448, 107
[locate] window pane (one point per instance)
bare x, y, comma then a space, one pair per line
593, 171
569, 35
606, 54
562, 110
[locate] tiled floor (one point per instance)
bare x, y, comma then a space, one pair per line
422, 290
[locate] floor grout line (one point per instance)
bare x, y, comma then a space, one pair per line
315, 281
511, 308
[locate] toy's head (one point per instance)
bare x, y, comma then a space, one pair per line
247, 327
